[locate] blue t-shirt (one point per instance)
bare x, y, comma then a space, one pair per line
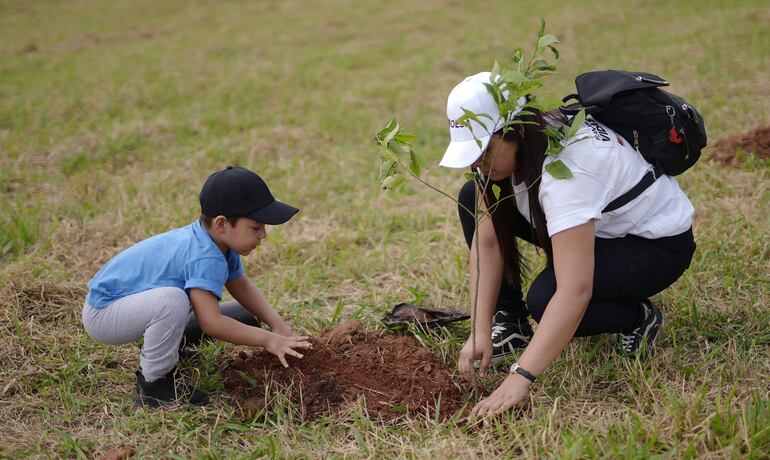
185, 257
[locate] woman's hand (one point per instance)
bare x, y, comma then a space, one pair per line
511, 392
483, 355
281, 346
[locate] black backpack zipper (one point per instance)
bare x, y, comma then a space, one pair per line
646, 79
650, 80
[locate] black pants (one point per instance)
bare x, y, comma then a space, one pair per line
626, 271
193, 333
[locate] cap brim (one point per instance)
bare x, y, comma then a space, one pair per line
461, 154
275, 213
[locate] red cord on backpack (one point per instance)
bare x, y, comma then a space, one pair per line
674, 137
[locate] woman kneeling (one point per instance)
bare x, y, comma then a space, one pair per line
602, 265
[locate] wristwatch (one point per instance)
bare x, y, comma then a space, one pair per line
515, 368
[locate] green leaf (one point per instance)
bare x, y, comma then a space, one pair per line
414, 164
577, 123
546, 41
469, 115
386, 168
522, 122
392, 181
495, 92
496, 191
470, 175
388, 133
386, 155
399, 148
529, 86
542, 27
518, 53
388, 128
393, 133
404, 138
554, 147
551, 132
558, 170
554, 51
513, 77
541, 64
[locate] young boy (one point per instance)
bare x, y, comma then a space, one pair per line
148, 289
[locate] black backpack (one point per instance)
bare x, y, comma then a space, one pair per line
663, 127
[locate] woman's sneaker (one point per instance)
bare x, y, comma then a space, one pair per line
508, 335
641, 341
167, 392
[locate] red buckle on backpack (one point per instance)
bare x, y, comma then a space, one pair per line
674, 136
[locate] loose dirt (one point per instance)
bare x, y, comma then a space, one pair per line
395, 374
756, 141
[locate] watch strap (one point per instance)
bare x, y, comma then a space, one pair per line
515, 368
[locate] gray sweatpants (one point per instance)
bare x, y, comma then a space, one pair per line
161, 316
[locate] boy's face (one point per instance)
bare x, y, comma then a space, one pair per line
245, 236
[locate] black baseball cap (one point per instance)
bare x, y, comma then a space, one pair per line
238, 192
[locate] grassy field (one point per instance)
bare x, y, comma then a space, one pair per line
112, 114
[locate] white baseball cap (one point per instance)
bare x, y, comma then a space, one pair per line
472, 95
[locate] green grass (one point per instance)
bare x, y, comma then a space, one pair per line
112, 114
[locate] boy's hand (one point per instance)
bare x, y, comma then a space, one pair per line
283, 330
281, 346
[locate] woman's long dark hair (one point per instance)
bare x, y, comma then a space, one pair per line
532, 144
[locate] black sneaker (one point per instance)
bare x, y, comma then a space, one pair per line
191, 356
641, 340
508, 334
167, 392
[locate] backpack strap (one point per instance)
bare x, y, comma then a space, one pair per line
571, 110
635, 191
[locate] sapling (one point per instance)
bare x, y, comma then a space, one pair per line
517, 79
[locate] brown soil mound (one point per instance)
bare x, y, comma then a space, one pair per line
395, 374
756, 141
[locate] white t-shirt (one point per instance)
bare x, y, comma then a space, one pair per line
604, 166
